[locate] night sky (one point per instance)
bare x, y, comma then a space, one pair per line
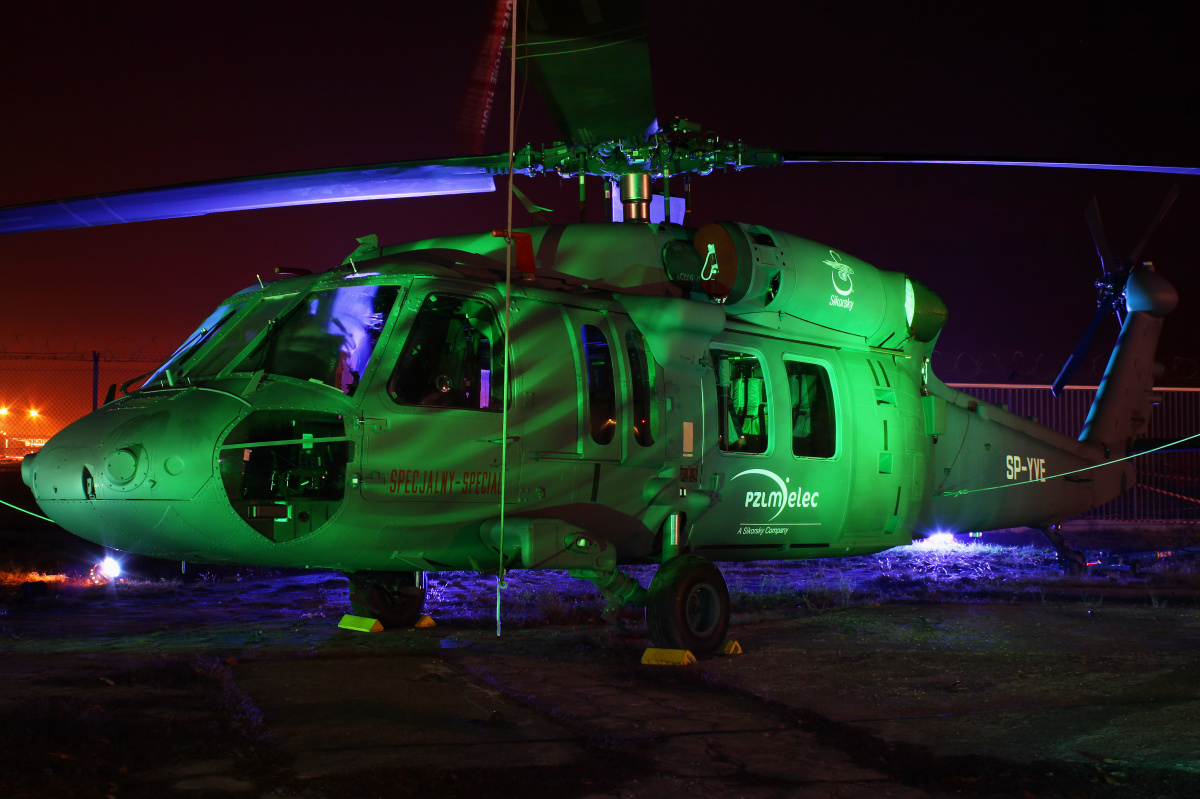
106, 97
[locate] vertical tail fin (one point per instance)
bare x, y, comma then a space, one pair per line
1121, 409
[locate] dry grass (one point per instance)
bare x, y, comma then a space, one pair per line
13, 576
918, 573
18, 586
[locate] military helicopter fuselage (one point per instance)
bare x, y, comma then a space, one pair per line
351, 419
732, 392
650, 393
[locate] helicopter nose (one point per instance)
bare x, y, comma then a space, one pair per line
155, 450
150, 450
200, 474
27, 469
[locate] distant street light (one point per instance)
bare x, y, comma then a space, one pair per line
33, 413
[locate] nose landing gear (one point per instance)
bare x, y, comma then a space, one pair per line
687, 606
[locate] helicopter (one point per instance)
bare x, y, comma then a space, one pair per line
646, 392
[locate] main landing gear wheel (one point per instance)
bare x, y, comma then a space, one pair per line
687, 606
396, 599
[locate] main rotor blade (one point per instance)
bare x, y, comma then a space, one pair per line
591, 64
1108, 262
1081, 350
481, 92
350, 184
804, 157
1162, 212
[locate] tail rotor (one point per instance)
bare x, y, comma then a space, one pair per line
1115, 273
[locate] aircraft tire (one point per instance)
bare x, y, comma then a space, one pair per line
687, 606
394, 598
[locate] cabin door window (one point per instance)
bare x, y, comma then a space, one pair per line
743, 409
601, 385
641, 378
813, 424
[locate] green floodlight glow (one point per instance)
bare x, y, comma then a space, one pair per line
910, 301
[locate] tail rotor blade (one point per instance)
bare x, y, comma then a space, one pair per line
1162, 212
1081, 350
1108, 262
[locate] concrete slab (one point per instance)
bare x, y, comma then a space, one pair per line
347, 715
1083, 684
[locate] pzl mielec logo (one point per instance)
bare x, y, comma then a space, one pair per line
843, 284
1032, 468
783, 498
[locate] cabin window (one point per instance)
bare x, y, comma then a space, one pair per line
743, 411
812, 410
601, 385
328, 337
453, 358
641, 374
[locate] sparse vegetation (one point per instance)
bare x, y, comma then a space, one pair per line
958, 573
918, 573
17, 576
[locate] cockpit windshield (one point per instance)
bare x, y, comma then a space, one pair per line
329, 336
208, 328
243, 332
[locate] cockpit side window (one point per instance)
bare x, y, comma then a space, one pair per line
453, 357
742, 402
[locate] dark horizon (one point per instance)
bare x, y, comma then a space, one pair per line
107, 99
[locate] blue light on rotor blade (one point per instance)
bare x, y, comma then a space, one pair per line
272, 191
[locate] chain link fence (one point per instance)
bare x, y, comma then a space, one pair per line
1041, 368
1167, 488
43, 392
